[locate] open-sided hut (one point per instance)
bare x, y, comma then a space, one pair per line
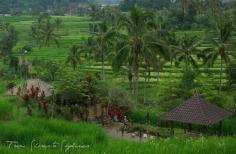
197, 111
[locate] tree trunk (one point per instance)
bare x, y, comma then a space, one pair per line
221, 71
149, 74
136, 90
221, 128
130, 78
158, 77
102, 64
145, 86
74, 67
136, 79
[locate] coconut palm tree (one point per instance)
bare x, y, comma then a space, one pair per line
173, 42
200, 6
186, 50
214, 5
184, 5
160, 32
47, 33
43, 31
137, 44
74, 57
103, 36
58, 23
221, 46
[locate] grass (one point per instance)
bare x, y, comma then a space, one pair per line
201, 145
6, 107
45, 131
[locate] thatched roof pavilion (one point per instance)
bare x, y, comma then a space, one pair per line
197, 111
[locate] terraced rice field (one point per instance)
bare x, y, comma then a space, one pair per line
76, 29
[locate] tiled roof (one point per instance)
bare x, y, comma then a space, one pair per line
197, 111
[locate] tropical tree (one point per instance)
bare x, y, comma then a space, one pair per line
44, 32
110, 16
103, 36
200, 6
214, 5
9, 40
137, 44
221, 45
74, 56
186, 50
185, 4
48, 34
58, 23
173, 43
160, 31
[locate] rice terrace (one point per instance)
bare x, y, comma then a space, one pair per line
118, 76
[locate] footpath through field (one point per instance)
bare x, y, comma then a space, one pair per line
114, 131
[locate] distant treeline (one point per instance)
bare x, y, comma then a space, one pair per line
160, 4
57, 7
126, 4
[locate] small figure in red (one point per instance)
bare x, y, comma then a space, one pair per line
32, 91
42, 95
26, 98
37, 90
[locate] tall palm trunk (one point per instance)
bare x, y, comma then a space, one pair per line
102, 55
158, 77
136, 84
74, 66
221, 71
136, 77
145, 86
130, 78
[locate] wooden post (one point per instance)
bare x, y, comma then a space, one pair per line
172, 132
184, 126
189, 127
221, 128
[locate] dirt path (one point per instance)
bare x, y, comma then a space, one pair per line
115, 131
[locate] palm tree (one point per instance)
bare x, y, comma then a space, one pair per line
103, 37
58, 23
185, 5
89, 48
214, 5
48, 34
74, 57
9, 40
43, 31
200, 6
173, 43
221, 45
137, 44
186, 50
160, 32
